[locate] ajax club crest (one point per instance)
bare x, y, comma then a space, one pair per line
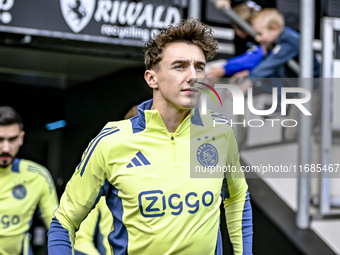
19, 192
77, 13
207, 155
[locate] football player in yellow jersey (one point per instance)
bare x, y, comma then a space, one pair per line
24, 186
142, 165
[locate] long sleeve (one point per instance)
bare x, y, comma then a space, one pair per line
286, 49
49, 199
82, 193
84, 241
279, 57
236, 203
92, 236
246, 61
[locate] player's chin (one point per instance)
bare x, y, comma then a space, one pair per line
4, 164
192, 102
188, 101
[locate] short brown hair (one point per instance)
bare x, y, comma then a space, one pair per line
270, 17
190, 31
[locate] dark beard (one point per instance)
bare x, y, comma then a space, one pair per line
8, 162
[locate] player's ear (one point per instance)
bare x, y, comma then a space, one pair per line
21, 137
151, 78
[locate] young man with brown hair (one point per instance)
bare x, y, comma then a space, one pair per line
142, 165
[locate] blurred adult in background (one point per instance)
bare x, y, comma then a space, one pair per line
24, 187
131, 113
241, 39
251, 58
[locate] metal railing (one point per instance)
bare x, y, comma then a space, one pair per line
305, 72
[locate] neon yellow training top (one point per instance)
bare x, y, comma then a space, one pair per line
144, 171
24, 186
91, 238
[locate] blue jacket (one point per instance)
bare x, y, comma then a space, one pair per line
246, 61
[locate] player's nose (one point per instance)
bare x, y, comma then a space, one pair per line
192, 73
4, 146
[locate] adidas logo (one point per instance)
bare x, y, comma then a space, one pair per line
135, 162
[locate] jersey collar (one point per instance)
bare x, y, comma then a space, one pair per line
151, 118
14, 167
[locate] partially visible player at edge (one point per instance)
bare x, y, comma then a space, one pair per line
24, 187
142, 165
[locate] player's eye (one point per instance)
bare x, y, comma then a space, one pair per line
200, 68
13, 139
179, 67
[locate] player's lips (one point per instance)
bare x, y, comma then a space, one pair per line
190, 90
5, 157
